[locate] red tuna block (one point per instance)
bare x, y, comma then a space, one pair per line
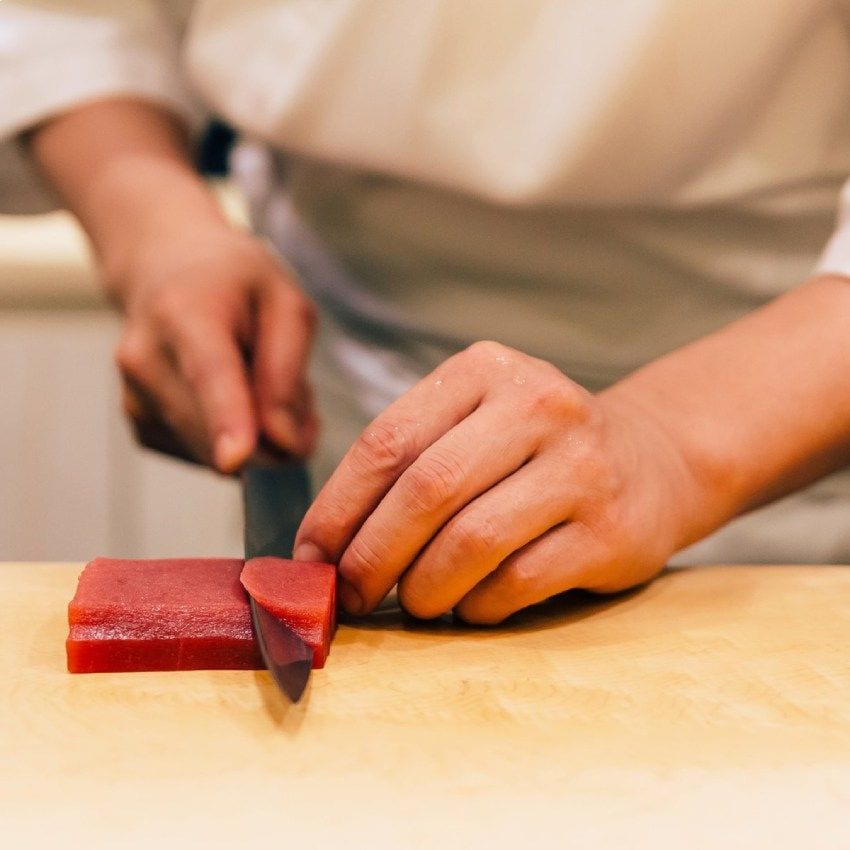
302, 594
176, 614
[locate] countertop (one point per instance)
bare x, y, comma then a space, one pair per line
709, 709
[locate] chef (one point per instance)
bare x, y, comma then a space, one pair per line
582, 297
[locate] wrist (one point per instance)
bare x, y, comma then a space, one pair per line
122, 166
679, 476
757, 409
154, 210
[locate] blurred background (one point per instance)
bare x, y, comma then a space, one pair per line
73, 485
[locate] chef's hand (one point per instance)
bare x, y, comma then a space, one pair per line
497, 482
213, 352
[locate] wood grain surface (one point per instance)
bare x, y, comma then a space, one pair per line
710, 709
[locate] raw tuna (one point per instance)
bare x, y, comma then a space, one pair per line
301, 594
176, 614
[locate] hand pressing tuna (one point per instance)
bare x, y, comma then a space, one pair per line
497, 482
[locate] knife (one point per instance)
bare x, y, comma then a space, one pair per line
276, 497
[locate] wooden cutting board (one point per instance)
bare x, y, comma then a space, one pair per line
710, 709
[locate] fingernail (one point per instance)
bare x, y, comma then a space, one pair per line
350, 598
229, 452
309, 552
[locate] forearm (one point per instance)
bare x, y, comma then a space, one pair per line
758, 409
123, 167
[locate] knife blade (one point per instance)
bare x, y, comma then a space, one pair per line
276, 497
286, 656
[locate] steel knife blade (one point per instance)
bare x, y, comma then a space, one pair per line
276, 497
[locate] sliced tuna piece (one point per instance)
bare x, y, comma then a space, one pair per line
302, 594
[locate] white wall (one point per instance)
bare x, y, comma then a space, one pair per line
72, 483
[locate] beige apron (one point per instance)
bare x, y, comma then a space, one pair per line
407, 275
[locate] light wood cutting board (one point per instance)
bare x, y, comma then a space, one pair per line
710, 709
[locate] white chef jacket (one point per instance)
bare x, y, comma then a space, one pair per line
593, 182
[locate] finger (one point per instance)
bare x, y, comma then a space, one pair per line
163, 413
150, 431
473, 456
566, 557
285, 325
133, 402
213, 369
502, 520
388, 446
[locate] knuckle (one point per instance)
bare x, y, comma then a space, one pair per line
434, 480
481, 356
364, 559
384, 447
521, 574
559, 397
474, 538
168, 307
488, 350
505, 596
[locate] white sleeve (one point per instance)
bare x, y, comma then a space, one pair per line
58, 53
835, 258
